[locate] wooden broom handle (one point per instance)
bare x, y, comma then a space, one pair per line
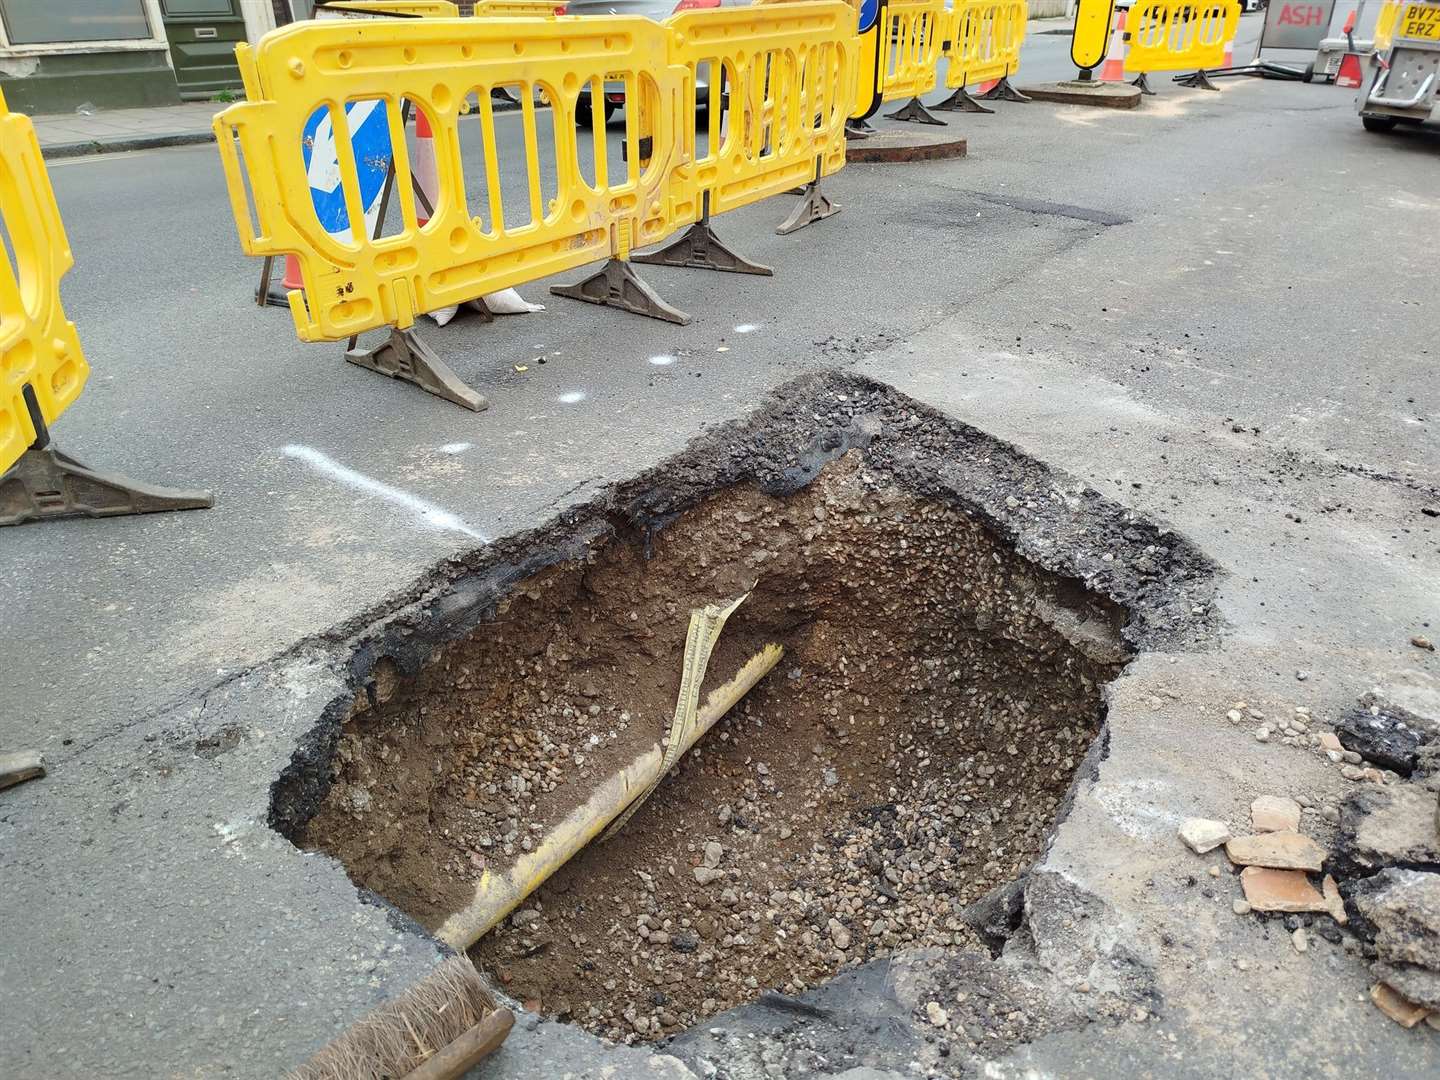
454, 1060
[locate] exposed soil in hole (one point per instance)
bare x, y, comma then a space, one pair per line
906, 756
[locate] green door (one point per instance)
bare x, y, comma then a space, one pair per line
203, 35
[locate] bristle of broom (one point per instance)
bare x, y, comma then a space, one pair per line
400, 1035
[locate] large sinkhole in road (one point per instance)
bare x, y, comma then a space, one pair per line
907, 754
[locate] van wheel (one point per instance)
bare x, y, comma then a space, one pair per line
585, 117
1379, 123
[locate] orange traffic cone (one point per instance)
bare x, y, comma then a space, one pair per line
291, 280
1114, 67
277, 295
422, 167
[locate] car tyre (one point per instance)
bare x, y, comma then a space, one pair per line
585, 116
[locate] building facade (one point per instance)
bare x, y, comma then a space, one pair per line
113, 54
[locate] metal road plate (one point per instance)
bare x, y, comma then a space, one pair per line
1419, 21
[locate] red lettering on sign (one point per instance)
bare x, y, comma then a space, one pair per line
1301, 15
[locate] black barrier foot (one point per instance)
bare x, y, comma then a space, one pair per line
404, 356
268, 293
855, 132
1143, 83
46, 483
1003, 91
916, 113
275, 296
814, 206
961, 101
616, 285
699, 248
1199, 80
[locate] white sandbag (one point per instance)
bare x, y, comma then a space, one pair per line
510, 302
504, 302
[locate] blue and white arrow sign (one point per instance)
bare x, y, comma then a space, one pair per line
370, 138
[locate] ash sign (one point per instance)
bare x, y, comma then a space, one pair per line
1296, 24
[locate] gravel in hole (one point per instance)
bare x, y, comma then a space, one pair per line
907, 755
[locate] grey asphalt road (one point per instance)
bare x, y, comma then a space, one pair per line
193, 385
1215, 309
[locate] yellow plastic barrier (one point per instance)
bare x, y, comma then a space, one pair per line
39, 347
414, 9
1385, 25
790, 70
911, 48
42, 368
362, 284
533, 9
1179, 35
983, 45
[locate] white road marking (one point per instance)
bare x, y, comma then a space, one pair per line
571, 397
455, 447
431, 515
663, 360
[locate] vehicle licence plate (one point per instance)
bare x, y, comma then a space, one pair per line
1420, 21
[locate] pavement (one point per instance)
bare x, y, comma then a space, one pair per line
1211, 311
101, 131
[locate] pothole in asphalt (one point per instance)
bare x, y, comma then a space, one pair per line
907, 754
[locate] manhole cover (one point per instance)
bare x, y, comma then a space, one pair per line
909, 144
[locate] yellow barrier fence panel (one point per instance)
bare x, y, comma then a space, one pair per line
42, 368
39, 347
1385, 25
531, 9
1012, 19
1179, 35
414, 9
789, 71
979, 49
911, 48
476, 240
